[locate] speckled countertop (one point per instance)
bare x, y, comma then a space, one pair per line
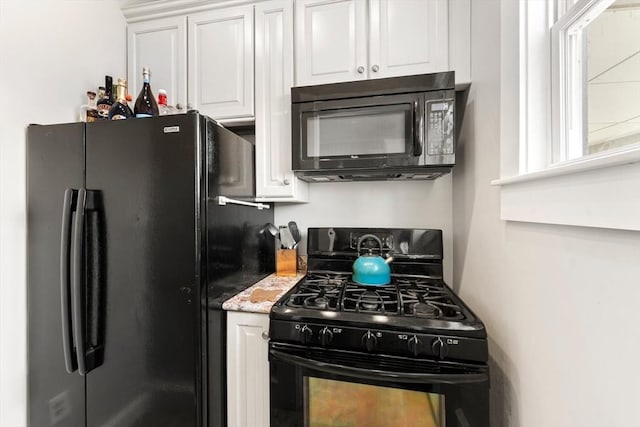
260, 297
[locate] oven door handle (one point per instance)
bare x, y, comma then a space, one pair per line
380, 375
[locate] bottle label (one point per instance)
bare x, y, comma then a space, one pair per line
103, 110
139, 115
118, 117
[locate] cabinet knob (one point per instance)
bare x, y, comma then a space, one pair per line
375, 68
265, 335
286, 181
361, 69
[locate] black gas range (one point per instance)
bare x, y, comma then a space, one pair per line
413, 334
417, 314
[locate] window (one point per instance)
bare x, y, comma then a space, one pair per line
570, 112
596, 78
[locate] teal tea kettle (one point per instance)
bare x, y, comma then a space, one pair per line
370, 269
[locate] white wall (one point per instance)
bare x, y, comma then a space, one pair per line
51, 53
401, 204
560, 303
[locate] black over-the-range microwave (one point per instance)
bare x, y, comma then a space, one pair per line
384, 129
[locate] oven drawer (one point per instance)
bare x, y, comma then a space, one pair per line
316, 387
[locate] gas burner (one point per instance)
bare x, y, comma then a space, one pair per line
326, 279
321, 302
426, 310
366, 299
428, 300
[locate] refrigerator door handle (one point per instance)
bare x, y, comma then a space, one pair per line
76, 282
222, 200
65, 248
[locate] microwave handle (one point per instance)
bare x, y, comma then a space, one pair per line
418, 128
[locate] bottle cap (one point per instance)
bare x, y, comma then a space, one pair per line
162, 92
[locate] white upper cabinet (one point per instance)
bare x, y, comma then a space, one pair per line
407, 37
221, 62
274, 77
331, 41
161, 45
344, 40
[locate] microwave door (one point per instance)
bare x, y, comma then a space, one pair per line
359, 133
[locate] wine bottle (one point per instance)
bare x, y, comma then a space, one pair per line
146, 105
120, 109
106, 101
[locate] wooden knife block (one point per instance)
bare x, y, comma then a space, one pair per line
286, 262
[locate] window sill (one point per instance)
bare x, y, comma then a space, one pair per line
601, 190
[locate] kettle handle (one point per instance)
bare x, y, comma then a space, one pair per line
369, 236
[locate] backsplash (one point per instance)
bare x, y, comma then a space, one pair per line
410, 204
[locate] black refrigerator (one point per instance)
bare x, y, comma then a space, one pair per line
137, 231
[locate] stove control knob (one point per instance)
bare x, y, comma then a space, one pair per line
325, 336
414, 345
305, 334
439, 348
369, 340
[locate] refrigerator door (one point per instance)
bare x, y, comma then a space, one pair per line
148, 316
55, 167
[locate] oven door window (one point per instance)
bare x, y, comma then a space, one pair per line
383, 130
330, 403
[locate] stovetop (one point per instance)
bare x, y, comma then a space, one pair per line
415, 315
416, 296
409, 302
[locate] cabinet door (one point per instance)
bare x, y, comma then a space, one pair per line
221, 62
274, 77
247, 370
331, 41
408, 37
161, 45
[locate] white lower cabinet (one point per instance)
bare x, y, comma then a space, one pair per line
247, 369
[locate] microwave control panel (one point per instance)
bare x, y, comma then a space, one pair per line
440, 124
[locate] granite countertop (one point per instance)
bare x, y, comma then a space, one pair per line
260, 297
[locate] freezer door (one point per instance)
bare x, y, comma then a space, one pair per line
149, 313
55, 167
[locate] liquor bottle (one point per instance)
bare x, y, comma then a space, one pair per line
89, 111
146, 105
163, 108
106, 101
120, 109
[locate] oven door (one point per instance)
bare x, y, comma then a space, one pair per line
312, 387
379, 131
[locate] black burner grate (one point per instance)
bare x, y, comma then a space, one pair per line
370, 299
412, 296
318, 291
427, 298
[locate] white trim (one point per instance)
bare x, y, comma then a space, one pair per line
603, 198
605, 159
166, 8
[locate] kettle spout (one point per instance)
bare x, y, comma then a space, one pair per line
388, 260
